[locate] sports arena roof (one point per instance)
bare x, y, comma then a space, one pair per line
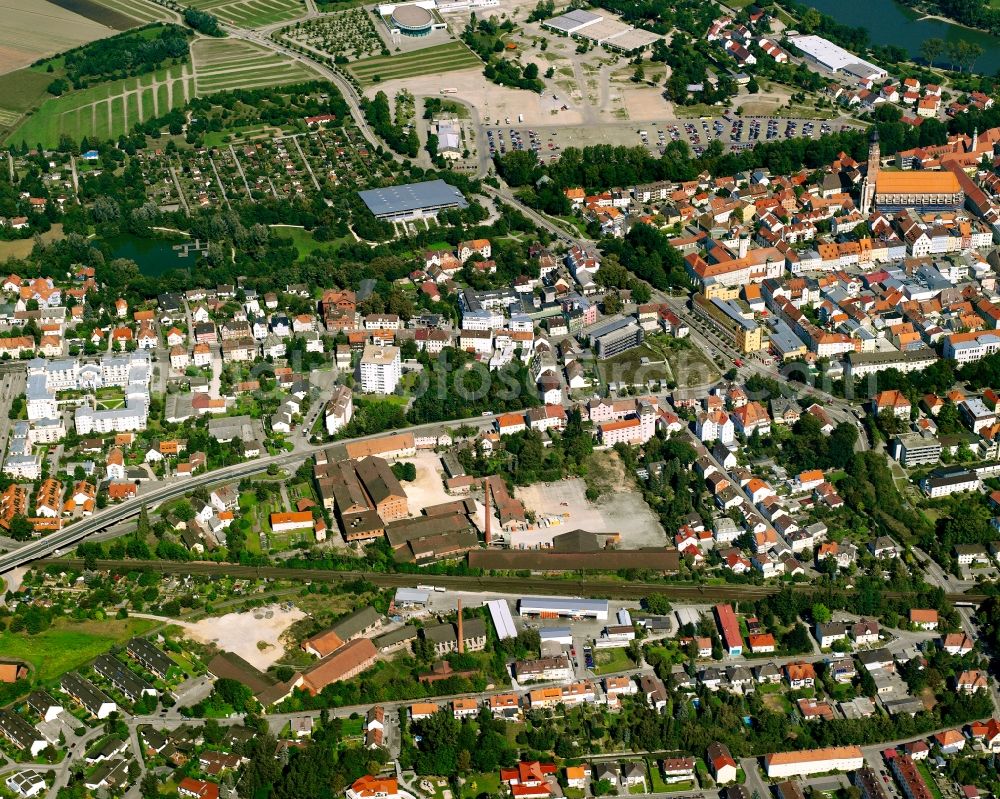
411, 16
572, 21
393, 200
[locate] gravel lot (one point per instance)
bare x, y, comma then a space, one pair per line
428, 488
241, 632
622, 511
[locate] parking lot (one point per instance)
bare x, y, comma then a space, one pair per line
740, 133
736, 133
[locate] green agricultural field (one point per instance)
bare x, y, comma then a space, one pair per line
20, 91
222, 64
252, 13
103, 110
441, 58
140, 10
110, 109
68, 645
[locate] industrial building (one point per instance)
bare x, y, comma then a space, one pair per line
834, 58
412, 200
502, 619
554, 607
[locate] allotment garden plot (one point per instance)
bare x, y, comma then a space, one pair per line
348, 33
429, 61
264, 166
252, 13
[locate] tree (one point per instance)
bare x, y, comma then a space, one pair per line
930, 49
658, 604
811, 20
20, 528
404, 470
149, 786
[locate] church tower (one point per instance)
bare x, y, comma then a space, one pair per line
871, 176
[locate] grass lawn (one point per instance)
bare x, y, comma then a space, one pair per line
656, 782
628, 367
483, 782
248, 500
68, 645
698, 110
929, 779
778, 703
352, 728
608, 661
20, 91
304, 241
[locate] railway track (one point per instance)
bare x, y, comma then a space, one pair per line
602, 588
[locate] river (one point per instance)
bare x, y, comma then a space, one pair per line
153, 256
888, 22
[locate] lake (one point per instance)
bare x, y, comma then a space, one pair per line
154, 256
888, 22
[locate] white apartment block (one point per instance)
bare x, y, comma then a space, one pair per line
380, 369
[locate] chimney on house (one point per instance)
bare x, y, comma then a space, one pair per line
489, 513
461, 634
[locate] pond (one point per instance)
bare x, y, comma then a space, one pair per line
154, 256
889, 22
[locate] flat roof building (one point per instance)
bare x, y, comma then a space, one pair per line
563, 606
572, 21
412, 200
502, 619
835, 58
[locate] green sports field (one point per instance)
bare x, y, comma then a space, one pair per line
68, 645
432, 60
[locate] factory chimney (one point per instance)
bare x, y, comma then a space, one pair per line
461, 634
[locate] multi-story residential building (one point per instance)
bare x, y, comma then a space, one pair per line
380, 369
